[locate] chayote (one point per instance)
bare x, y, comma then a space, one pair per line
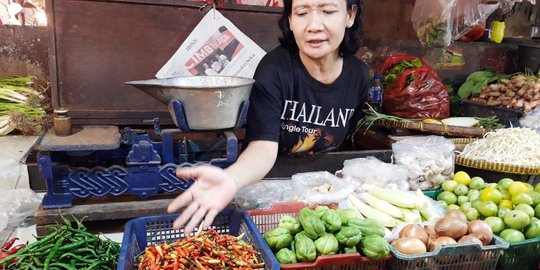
367, 226
349, 236
304, 248
290, 223
313, 226
319, 210
327, 244
375, 247
278, 238
332, 221
347, 213
285, 256
350, 250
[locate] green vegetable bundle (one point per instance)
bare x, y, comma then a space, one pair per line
22, 105
67, 247
475, 82
325, 231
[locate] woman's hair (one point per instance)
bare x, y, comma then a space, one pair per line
351, 40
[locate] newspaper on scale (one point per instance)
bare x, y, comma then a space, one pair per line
214, 47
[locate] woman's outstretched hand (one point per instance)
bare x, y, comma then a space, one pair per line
212, 191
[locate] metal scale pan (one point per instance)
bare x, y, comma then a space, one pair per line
202, 103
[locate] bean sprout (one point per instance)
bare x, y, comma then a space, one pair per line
512, 146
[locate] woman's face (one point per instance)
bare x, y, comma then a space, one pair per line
319, 26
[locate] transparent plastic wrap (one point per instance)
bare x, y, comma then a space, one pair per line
16, 205
432, 21
467, 14
264, 193
531, 120
370, 171
430, 160
320, 187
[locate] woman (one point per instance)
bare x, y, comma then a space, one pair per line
308, 96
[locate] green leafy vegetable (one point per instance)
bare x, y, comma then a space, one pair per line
391, 75
476, 81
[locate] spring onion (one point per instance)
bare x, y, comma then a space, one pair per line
21, 105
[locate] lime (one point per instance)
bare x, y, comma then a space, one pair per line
472, 214
505, 194
537, 211
529, 187
533, 230
502, 211
461, 189
449, 185
505, 183
448, 197
516, 219
525, 208
506, 204
491, 194
535, 197
477, 183
496, 224
462, 199
462, 177
491, 185
473, 194
522, 197
466, 206
537, 187
444, 204
517, 187
475, 203
512, 235
487, 208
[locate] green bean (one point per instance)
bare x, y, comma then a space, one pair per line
64, 266
95, 265
84, 250
76, 244
37, 261
76, 257
53, 252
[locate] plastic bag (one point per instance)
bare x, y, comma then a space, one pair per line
320, 187
430, 160
16, 205
370, 171
432, 21
531, 120
416, 92
264, 193
467, 14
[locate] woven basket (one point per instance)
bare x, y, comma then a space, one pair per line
498, 167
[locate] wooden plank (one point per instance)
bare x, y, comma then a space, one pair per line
108, 209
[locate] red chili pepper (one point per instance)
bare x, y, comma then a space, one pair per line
3, 254
175, 264
16, 248
9, 243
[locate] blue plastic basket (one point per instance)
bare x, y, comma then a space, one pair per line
144, 231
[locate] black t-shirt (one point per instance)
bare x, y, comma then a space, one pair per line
289, 106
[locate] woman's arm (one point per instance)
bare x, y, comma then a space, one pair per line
214, 188
254, 162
